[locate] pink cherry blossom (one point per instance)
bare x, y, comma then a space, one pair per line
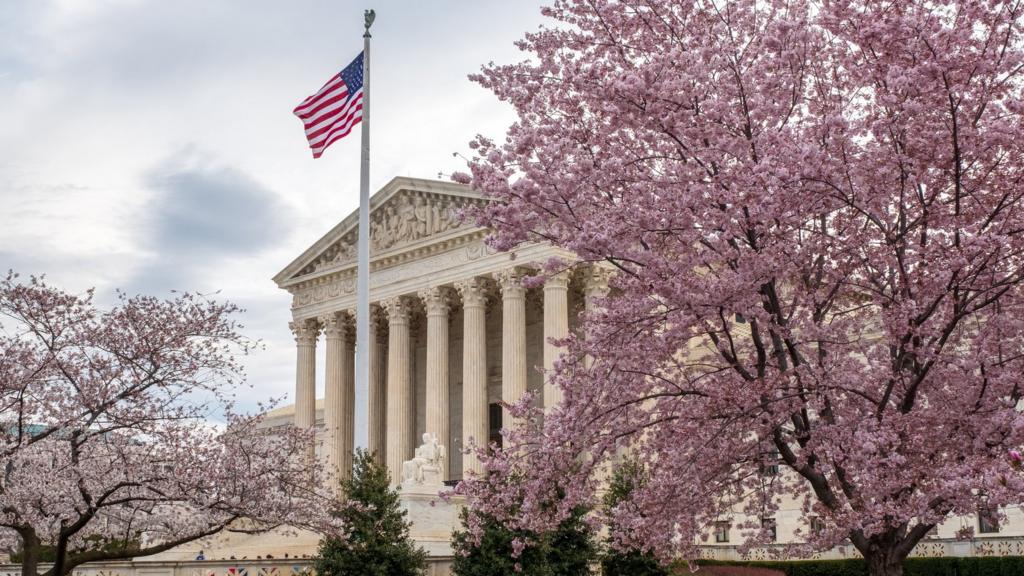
104, 439
816, 215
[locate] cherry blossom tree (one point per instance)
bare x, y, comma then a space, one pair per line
814, 212
105, 447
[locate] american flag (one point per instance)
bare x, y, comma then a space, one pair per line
331, 113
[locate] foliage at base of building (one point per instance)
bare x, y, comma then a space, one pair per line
947, 566
378, 542
616, 561
567, 551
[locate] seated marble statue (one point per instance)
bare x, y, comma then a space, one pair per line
425, 467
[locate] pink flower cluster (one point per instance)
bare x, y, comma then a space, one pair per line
815, 214
104, 433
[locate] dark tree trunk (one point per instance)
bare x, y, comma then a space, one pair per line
30, 546
884, 553
885, 563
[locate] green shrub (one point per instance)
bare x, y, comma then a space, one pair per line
945, 566
567, 551
930, 567
852, 567
378, 543
991, 566
628, 475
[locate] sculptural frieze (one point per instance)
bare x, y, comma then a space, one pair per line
405, 219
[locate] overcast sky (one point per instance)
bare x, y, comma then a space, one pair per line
149, 145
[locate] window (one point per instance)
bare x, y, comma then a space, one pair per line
817, 525
721, 531
988, 522
769, 465
771, 527
494, 424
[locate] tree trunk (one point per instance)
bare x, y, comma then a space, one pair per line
884, 562
30, 546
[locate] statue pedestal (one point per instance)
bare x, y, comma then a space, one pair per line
433, 519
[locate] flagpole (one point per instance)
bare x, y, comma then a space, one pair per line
363, 279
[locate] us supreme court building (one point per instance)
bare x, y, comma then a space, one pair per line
453, 331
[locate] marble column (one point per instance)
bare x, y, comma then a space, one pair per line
306, 333
376, 407
334, 403
436, 301
475, 429
556, 326
513, 339
400, 416
594, 289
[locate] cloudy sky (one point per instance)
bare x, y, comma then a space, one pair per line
149, 145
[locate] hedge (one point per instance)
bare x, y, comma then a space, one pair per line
945, 566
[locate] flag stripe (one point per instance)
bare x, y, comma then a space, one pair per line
340, 130
333, 118
328, 87
340, 126
338, 136
313, 106
330, 114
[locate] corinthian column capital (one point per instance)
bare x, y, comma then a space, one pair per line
510, 281
473, 292
334, 325
398, 309
596, 285
437, 300
306, 331
557, 281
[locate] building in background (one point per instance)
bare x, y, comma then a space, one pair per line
453, 333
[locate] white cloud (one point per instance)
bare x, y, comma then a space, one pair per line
120, 116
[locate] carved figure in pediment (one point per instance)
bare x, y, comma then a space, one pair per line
344, 252
407, 222
408, 219
391, 223
377, 231
437, 223
424, 220
450, 215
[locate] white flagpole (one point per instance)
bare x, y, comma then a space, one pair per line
363, 279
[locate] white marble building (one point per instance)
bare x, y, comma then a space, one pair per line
453, 332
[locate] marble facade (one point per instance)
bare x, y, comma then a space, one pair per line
454, 330
454, 333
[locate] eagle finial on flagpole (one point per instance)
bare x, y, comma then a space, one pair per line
368, 17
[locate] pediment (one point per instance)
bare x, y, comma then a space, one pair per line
405, 214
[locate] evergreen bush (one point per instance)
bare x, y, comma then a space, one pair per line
616, 562
567, 551
943, 566
378, 543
